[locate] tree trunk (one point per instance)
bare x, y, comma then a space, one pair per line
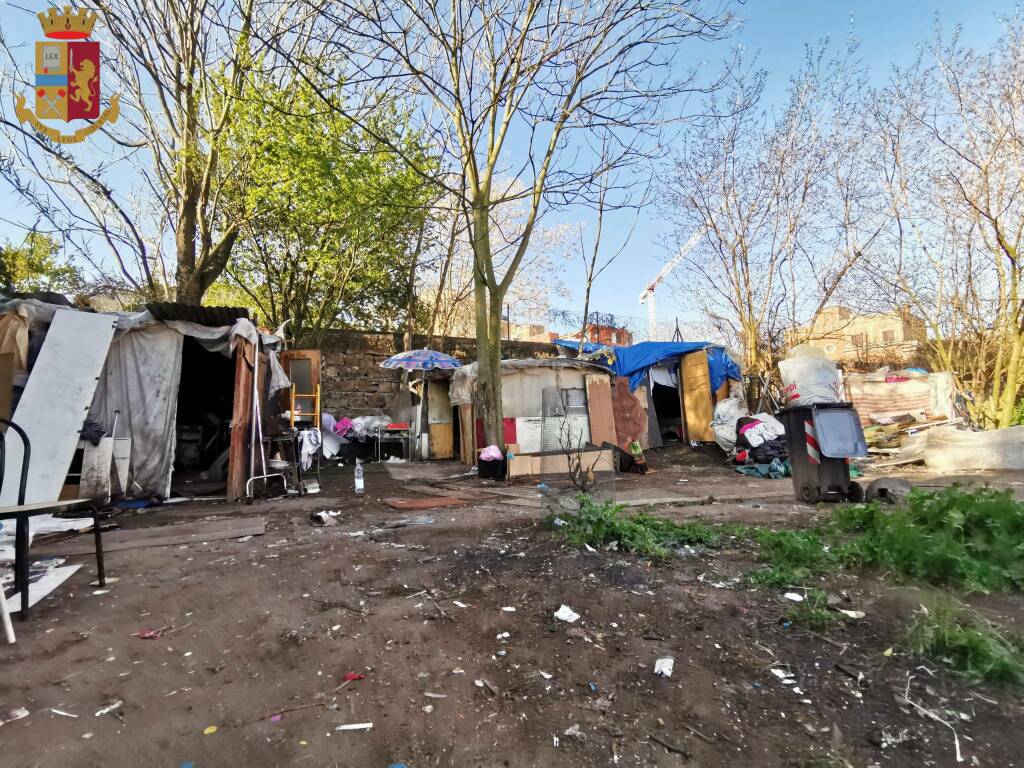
586, 311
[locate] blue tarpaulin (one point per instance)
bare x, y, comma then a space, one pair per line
633, 362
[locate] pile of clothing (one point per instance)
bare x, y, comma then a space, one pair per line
760, 439
757, 443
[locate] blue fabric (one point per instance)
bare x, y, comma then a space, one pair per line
633, 362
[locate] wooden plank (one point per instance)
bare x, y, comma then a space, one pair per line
56, 401
241, 420
599, 406
695, 396
442, 441
467, 446
433, 502
558, 464
162, 536
6, 384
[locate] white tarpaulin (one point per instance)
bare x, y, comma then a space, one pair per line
141, 380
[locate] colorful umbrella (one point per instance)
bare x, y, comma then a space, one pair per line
422, 360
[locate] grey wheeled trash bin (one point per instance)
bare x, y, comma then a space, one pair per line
821, 439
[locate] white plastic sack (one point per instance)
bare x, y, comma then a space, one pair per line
723, 424
808, 376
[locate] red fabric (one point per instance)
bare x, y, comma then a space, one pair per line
508, 432
84, 80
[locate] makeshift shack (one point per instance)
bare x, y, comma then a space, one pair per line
177, 380
679, 383
549, 406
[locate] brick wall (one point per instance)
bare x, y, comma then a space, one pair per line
352, 383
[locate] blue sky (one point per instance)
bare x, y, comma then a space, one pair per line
890, 32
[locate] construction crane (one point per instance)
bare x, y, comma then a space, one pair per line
648, 295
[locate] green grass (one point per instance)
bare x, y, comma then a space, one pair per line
813, 612
792, 557
599, 524
971, 539
967, 645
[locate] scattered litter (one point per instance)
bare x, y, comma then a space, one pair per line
209, 730
663, 666
323, 518
559, 522
428, 708
546, 675
554, 741
62, 713
87, 735
352, 676
16, 714
459, 605
796, 597
276, 718
567, 614
150, 634
355, 727
852, 614
509, 609
575, 732
100, 591
485, 683
503, 636
458, 671
432, 695
109, 708
887, 652
589, 548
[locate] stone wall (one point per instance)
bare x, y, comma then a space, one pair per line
352, 383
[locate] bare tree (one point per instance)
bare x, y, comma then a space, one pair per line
951, 146
154, 177
514, 89
754, 183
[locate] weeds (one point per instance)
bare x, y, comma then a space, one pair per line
967, 645
793, 557
600, 524
972, 539
813, 612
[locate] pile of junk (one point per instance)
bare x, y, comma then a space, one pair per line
812, 438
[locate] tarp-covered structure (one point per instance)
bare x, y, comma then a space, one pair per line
140, 378
635, 361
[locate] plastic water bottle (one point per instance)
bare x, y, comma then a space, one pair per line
359, 477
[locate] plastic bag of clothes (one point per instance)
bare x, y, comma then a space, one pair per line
808, 376
723, 424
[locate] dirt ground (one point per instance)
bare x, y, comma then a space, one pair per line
259, 634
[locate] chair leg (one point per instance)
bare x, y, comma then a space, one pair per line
5, 615
101, 572
21, 563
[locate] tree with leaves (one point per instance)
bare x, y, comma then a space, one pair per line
340, 213
36, 266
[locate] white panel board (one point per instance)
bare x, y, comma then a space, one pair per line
528, 431
56, 401
39, 589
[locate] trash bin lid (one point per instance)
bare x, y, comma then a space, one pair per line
839, 433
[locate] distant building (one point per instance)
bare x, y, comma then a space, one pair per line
883, 337
608, 335
524, 331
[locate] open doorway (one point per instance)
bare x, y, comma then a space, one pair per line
203, 421
665, 396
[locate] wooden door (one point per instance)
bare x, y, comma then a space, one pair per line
599, 407
439, 420
695, 396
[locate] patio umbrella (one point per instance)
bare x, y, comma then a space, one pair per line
422, 360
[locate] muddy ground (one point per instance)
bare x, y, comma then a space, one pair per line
258, 636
